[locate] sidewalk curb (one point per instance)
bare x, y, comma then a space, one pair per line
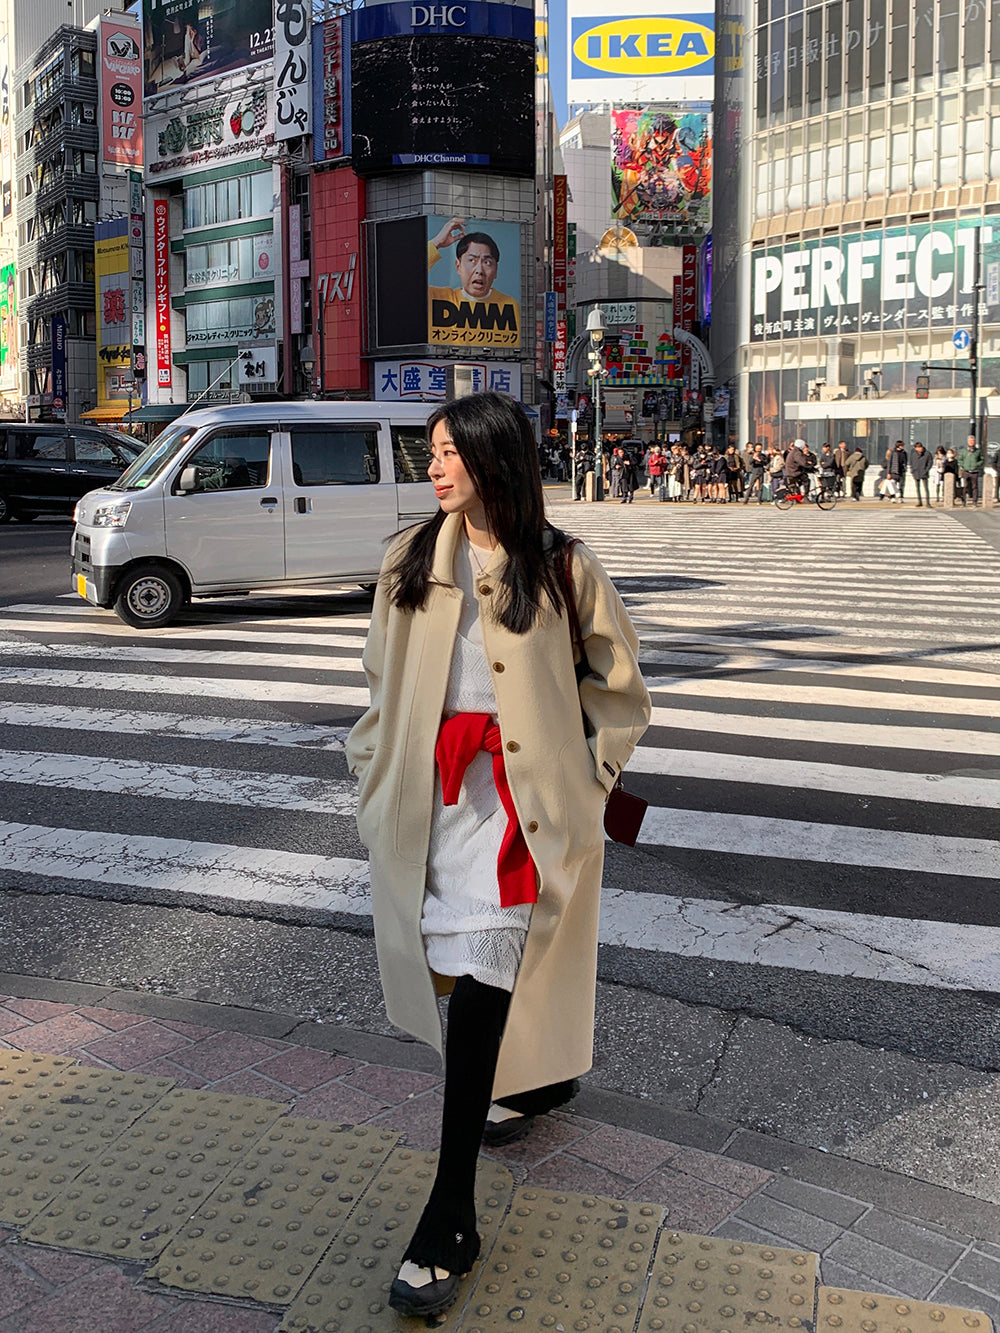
924, 1202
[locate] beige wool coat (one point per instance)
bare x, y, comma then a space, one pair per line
559, 779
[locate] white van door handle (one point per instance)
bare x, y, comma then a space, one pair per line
269, 500
303, 504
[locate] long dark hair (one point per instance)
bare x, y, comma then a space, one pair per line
493, 437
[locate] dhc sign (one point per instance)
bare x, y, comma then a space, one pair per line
644, 46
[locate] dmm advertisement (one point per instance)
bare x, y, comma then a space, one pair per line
474, 282
641, 49
114, 303
187, 40
661, 166
919, 276
120, 82
443, 85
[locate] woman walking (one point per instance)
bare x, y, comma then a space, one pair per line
483, 768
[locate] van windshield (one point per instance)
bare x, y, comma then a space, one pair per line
154, 458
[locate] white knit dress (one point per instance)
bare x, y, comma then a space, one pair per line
466, 931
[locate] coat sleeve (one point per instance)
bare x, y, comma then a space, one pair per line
363, 736
613, 695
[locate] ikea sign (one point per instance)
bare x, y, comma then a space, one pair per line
610, 55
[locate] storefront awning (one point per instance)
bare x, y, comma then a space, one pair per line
161, 412
112, 412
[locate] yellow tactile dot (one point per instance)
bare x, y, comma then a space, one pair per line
874, 1313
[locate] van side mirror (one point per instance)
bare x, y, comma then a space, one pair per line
189, 479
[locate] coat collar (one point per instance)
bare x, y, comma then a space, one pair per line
443, 568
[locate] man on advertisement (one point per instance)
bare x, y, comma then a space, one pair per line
475, 312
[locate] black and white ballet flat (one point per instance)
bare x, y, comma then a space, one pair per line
505, 1126
420, 1292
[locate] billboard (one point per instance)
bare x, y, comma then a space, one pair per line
661, 166
921, 276
641, 49
8, 329
331, 49
120, 82
6, 128
473, 282
161, 291
187, 40
114, 303
233, 124
443, 85
292, 70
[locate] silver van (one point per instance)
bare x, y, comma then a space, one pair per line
236, 498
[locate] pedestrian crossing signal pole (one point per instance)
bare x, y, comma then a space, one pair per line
977, 287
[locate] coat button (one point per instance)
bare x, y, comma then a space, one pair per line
498, 666
485, 589
513, 747
533, 826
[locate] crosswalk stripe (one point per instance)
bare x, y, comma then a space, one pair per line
904, 951
976, 792
179, 782
891, 949
180, 726
115, 629
194, 656
810, 695
207, 687
792, 664
979, 792
955, 741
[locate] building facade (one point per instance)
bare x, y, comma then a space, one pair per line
860, 168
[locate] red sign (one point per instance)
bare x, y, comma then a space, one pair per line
120, 74
338, 291
161, 292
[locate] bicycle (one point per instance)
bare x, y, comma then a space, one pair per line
792, 493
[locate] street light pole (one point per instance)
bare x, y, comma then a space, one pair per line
974, 345
596, 328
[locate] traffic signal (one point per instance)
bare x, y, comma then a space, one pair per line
923, 386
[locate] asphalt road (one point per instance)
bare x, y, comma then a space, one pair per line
804, 941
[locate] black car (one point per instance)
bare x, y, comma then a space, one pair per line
46, 469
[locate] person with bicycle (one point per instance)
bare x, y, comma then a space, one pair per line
797, 468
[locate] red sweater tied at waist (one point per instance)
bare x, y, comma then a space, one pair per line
459, 741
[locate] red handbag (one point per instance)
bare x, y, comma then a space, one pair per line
623, 810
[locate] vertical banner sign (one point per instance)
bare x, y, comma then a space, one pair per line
137, 272
58, 366
6, 160
120, 82
328, 101
560, 195
551, 315
292, 69
161, 292
685, 366
689, 309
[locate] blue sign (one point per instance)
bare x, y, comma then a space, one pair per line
444, 20
962, 340
551, 315
58, 364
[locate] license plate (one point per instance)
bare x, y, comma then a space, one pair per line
81, 586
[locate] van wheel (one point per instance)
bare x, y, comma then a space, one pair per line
149, 597
6, 513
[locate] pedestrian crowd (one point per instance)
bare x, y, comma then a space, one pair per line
708, 474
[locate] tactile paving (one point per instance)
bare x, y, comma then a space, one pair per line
21, 1070
841, 1311
140, 1190
698, 1285
56, 1122
349, 1290
566, 1261
271, 1220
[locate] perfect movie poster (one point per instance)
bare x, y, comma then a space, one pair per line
474, 282
661, 166
187, 40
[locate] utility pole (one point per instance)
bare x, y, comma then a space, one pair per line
974, 345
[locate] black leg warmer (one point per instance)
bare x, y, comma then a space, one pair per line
446, 1234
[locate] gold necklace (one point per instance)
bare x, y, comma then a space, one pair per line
480, 564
